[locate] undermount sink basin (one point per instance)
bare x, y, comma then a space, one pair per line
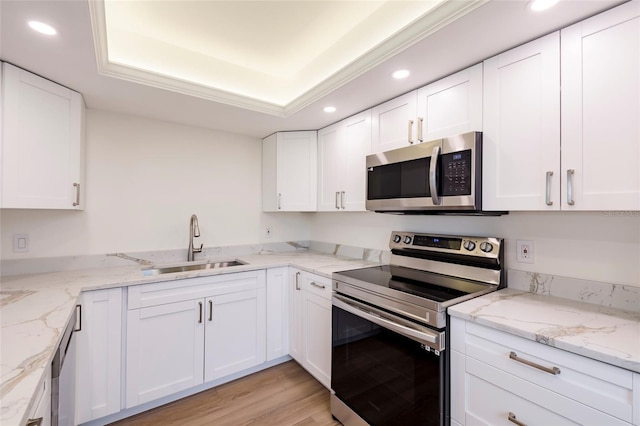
191, 267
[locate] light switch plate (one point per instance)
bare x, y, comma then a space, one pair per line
21, 243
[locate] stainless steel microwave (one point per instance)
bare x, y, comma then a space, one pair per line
440, 176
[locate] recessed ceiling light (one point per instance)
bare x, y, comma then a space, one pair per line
42, 28
329, 109
400, 74
540, 5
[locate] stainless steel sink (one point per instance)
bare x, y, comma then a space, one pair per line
191, 267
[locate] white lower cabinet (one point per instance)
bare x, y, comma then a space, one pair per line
99, 352
186, 332
501, 379
310, 324
40, 410
277, 313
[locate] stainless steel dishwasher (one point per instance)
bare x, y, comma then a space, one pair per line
63, 374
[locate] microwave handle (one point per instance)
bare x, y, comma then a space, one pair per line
433, 167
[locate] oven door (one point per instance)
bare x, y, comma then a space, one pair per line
383, 370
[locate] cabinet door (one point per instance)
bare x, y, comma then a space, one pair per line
277, 313
330, 166
42, 150
99, 345
296, 171
295, 315
165, 350
521, 138
235, 333
393, 123
451, 106
317, 336
356, 147
601, 111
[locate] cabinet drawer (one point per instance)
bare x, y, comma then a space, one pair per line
498, 394
593, 383
154, 294
316, 284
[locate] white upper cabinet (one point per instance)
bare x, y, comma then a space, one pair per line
521, 128
342, 153
450, 106
601, 111
289, 172
42, 143
393, 123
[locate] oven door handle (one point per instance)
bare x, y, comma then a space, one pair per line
426, 337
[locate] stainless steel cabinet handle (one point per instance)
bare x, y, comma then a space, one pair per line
297, 280
548, 199
570, 173
210, 310
34, 422
315, 284
77, 187
342, 199
512, 419
279, 201
433, 184
200, 319
551, 370
410, 132
337, 202
420, 120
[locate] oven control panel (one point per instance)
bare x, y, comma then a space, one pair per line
453, 244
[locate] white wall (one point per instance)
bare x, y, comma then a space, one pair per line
144, 180
596, 246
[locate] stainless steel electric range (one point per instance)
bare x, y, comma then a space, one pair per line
389, 327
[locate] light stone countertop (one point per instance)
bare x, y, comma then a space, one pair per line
602, 333
35, 308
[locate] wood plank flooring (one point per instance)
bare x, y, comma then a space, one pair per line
284, 395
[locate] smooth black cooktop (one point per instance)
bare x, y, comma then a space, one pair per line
436, 287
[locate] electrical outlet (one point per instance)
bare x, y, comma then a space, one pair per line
268, 232
524, 251
21, 243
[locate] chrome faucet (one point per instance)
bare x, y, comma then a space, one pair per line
194, 231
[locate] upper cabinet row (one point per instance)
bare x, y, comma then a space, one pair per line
42, 143
543, 148
572, 149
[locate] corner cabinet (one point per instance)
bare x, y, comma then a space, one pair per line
289, 172
42, 143
310, 324
501, 379
342, 153
186, 332
99, 353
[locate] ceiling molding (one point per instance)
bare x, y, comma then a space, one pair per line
442, 15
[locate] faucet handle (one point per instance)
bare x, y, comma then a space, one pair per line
198, 250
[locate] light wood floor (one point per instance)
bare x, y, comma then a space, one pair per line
284, 395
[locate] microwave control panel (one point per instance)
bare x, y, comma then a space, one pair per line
456, 173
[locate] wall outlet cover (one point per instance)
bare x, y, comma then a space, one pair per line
524, 251
21, 243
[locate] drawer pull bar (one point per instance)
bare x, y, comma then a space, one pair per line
315, 284
553, 370
512, 418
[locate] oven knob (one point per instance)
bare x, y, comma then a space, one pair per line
486, 247
397, 238
407, 239
469, 245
